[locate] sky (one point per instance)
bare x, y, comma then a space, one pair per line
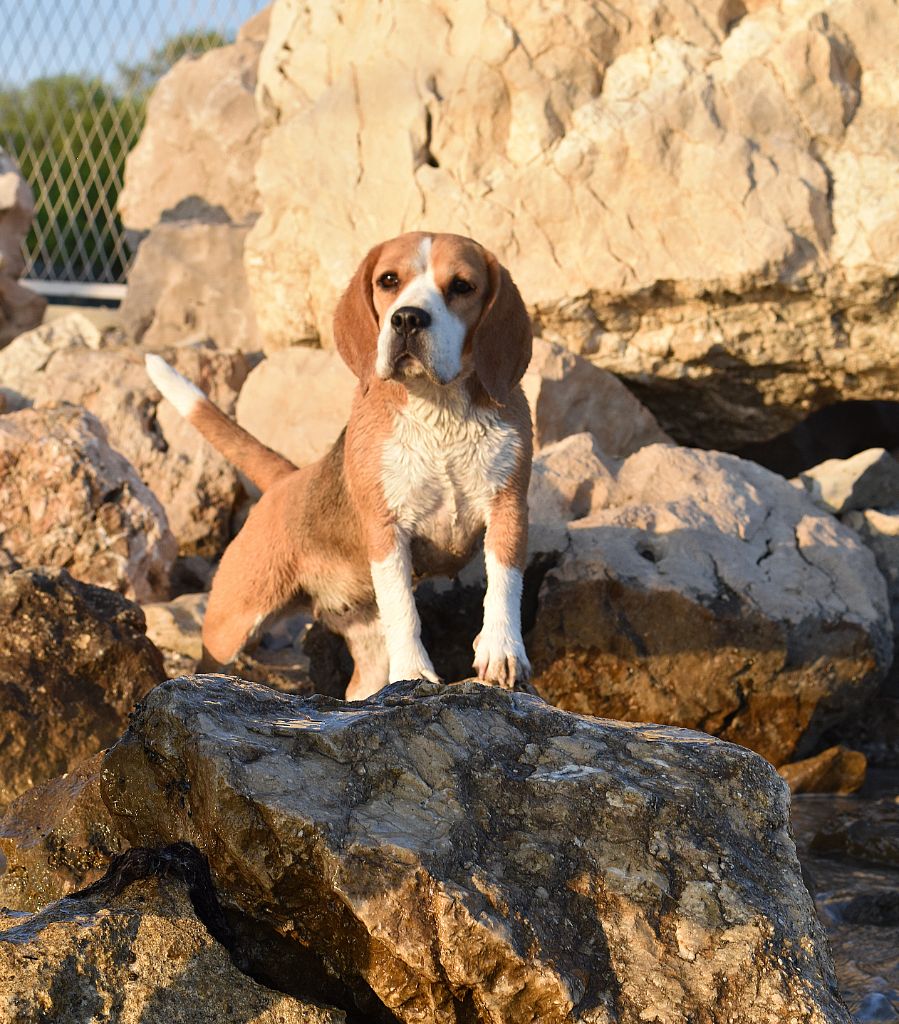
49, 37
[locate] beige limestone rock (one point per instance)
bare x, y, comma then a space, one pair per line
188, 281
696, 197
56, 838
867, 480
297, 401
133, 950
69, 500
711, 593
197, 487
73, 661
461, 853
569, 395
20, 308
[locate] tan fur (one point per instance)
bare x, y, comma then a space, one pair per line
315, 532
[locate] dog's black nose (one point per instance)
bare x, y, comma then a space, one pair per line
409, 319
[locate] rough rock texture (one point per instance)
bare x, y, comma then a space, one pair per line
20, 309
467, 854
297, 401
869, 834
835, 770
73, 660
69, 500
569, 395
711, 593
188, 281
190, 182
697, 196
132, 951
197, 487
56, 838
867, 480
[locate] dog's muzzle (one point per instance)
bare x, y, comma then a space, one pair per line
409, 353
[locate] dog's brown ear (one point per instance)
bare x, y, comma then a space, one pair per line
356, 322
502, 337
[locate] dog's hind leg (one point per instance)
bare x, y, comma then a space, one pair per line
365, 640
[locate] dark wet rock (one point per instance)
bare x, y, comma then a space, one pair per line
56, 838
835, 770
136, 948
73, 660
459, 853
871, 834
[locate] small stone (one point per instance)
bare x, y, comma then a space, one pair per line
867, 480
835, 770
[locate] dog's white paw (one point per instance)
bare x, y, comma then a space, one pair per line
413, 664
501, 659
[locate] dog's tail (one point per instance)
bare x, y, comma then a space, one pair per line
251, 457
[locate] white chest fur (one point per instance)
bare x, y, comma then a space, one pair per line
444, 462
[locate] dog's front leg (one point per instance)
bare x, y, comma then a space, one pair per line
392, 577
499, 649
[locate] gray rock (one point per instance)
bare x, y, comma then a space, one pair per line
20, 309
867, 480
463, 853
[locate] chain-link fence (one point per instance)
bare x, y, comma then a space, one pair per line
74, 80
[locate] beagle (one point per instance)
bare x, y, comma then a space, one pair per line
436, 451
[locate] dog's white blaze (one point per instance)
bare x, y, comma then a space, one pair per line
446, 333
500, 638
177, 389
392, 577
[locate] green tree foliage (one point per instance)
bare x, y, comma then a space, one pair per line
70, 135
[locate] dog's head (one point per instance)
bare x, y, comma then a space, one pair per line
434, 307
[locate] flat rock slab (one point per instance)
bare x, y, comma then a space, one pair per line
466, 854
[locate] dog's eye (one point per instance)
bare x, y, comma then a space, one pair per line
459, 286
388, 281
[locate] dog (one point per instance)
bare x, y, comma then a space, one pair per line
435, 456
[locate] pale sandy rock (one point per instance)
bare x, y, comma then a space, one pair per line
695, 196
187, 281
297, 401
20, 308
133, 949
176, 626
201, 138
74, 659
835, 770
567, 478
71, 501
460, 853
197, 487
711, 593
569, 395
869, 480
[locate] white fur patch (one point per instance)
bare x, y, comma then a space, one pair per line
392, 578
499, 649
446, 334
177, 389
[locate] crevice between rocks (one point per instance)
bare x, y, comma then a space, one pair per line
255, 948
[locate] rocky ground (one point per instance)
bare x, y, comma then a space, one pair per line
699, 221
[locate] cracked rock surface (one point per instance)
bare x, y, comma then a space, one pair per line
695, 195
461, 853
704, 591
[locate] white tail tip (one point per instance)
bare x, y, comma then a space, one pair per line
177, 389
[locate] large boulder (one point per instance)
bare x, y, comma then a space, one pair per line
66, 361
71, 501
56, 838
136, 948
20, 309
73, 661
704, 591
694, 196
297, 401
462, 853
